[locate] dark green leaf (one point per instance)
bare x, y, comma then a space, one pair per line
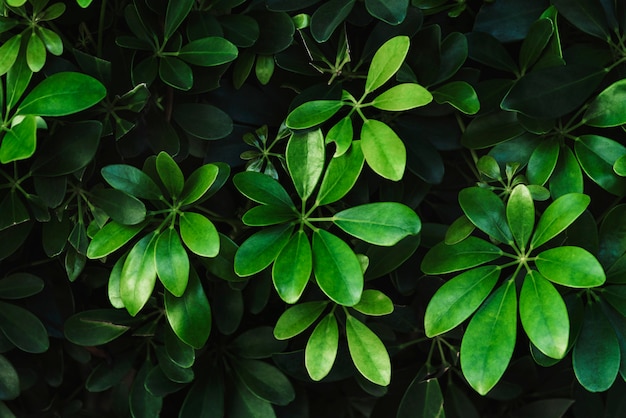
131, 180
266, 215
120, 206
341, 175
321, 349
179, 352
558, 216
9, 382
384, 151
486, 49
297, 319
491, 129
382, 223
422, 399
96, 327
205, 399
305, 156
276, 34
265, 381
171, 262
485, 209
459, 95
386, 62
143, 403
508, 20
241, 30
489, 339
20, 285
596, 356
106, 375
544, 315
23, 329
389, 11
62, 94
520, 214
13, 211
190, 315
586, 15
175, 73
199, 234
570, 266
539, 34
458, 298
176, 13
203, 120
261, 249
312, 113
597, 155
262, 189
293, 267
470, 252
328, 16
256, 343
368, 352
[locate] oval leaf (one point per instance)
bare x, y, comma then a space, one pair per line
297, 319
374, 303
263, 189
368, 352
312, 113
384, 151
111, 237
570, 266
131, 180
341, 175
558, 216
305, 156
460, 95
138, 275
520, 214
403, 97
170, 174
171, 262
321, 349
23, 329
609, 107
96, 327
261, 249
292, 268
198, 183
471, 252
199, 234
485, 209
386, 62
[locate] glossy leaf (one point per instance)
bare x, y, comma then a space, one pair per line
262, 189
489, 339
208, 52
485, 209
20, 285
9, 52
138, 275
96, 327
170, 174
305, 156
321, 348
20, 141
544, 316
62, 94
386, 62
384, 151
596, 355
199, 234
261, 249
35, 53
312, 113
341, 175
203, 120
567, 176
539, 35
112, 237
374, 303
491, 129
543, 162
459, 298
176, 13
52, 41
292, 268
9, 382
459, 95
422, 399
586, 16
487, 50
381, 223
471, 252
296, 319
570, 266
558, 216
460, 229
608, 108
175, 73
336, 268
328, 16
142, 403
392, 12
403, 97
120, 206
190, 315
131, 180
199, 183
171, 262
597, 156
23, 329
368, 352
341, 134
520, 214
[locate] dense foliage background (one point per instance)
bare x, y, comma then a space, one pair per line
303, 208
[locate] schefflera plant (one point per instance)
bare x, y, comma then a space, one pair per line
490, 337
174, 230
297, 241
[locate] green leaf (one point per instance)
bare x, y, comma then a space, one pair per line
489, 339
458, 298
262, 189
264, 68
558, 216
305, 156
138, 275
491, 129
596, 355
18, 78
276, 32
265, 381
20, 285
567, 176
544, 316
175, 73
392, 12
341, 134
486, 49
176, 13
485, 209
321, 349
292, 268
597, 155
96, 327
198, 183
381, 223
9, 383
190, 315
9, 52
384, 151
171, 262
52, 41
35, 53
553, 92
120, 206
23, 329
170, 174
298, 318
460, 95
131, 180
179, 352
261, 249
336, 268
20, 141
608, 109
374, 303
539, 35
471, 252
13, 211
62, 94
403, 97
460, 229
368, 353
312, 113
256, 343
203, 120
341, 175
520, 214
113, 288
266, 215
570, 266
111, 237
328, 16
199, 234
422, 399
241, 30
542, 162
142, 403
386, 62
586, 16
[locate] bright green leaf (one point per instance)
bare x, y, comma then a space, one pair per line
305, 156
131, 180
543, 162
262, 189
112, 237
208, 52
312, 113
608, 108
198, 183
52, 41
597, 155
368, 352
138, 274
292, 268
341, 134
374, 303
520, 214
171, 262
570, 266
386, 62
170, 174
459, 95
9, 52
296, 319
321, 349
403, 97
261, 249
485, 209
384, 151
35, 53
199, 234
558, 216
471, 252
341, 175
20, 141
